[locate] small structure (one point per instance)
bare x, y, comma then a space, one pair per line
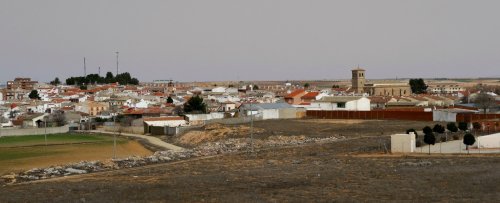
349, 103
403, 143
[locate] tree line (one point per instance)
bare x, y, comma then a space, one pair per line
122, 78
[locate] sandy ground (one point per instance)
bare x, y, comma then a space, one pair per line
62, 154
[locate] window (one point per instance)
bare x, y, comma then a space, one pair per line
341, 105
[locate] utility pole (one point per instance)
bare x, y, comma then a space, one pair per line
99, 70
117, 62
45, 119
84, 68
251, 127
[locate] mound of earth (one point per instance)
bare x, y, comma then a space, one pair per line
215, 132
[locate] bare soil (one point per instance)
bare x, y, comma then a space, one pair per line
349, 170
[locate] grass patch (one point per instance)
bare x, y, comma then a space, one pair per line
66, 138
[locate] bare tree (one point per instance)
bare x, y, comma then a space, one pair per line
485, 101
59, 118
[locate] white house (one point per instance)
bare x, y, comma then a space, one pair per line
219, 90
349, 103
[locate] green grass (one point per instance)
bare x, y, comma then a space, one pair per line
67, 138
15, 154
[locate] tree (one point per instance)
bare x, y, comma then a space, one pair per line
109, 78
469, 139
418, 86
55, 81
306, 85
484, 101
452, 127
59, 118
255, 87
427, 130
438, 129
335, 86
83, 87
462, 126
476, 126
412, 130
195, 105
34, 95
170, 100
430, 139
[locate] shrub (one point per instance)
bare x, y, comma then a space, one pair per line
476, 126
462, 126
412, 130
456, 137
427, 130
438, 128
469, 139
452, 127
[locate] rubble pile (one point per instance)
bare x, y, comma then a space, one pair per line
207, 149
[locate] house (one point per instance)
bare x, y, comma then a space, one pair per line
271, 110
227, 106
309, 97
295, 96
349, 103
36, 120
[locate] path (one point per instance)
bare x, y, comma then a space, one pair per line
153, 140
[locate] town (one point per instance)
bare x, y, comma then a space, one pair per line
182, 121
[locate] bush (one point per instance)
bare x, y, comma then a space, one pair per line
412, 130
438, 129
476, 126
456, 137
452, 127
462, 126
427, 130
430, 139
443, 139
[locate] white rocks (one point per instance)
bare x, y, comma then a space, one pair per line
75, 171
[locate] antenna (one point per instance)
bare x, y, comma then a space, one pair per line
99, 70
117, 62
84, 68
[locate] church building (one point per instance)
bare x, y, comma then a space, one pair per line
359, 86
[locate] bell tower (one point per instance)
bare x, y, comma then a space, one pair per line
358, 80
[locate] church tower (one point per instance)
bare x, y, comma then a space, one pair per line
358, 80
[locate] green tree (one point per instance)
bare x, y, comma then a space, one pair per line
427, 130
469, 139
170, 100
430, 139
195, 105
438, 129
83, 87
34, 95
55, 81
452, 127
109, 78
255, 87
412, 130
462, 126
476, 126
418, 86
306, 85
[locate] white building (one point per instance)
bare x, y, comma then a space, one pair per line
349, 103
165, 121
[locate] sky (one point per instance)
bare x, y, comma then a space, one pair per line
220, 40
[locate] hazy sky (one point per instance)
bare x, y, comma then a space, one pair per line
209, 40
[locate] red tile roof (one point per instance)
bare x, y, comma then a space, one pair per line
295, 93
310, 95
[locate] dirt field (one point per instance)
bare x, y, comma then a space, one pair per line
348, 170
34, 155
303, 127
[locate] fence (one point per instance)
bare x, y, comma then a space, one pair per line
375, 114
34, 131
469, 117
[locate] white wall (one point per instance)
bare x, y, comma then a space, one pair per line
401, 143
270, 114
170, 123
489, 141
